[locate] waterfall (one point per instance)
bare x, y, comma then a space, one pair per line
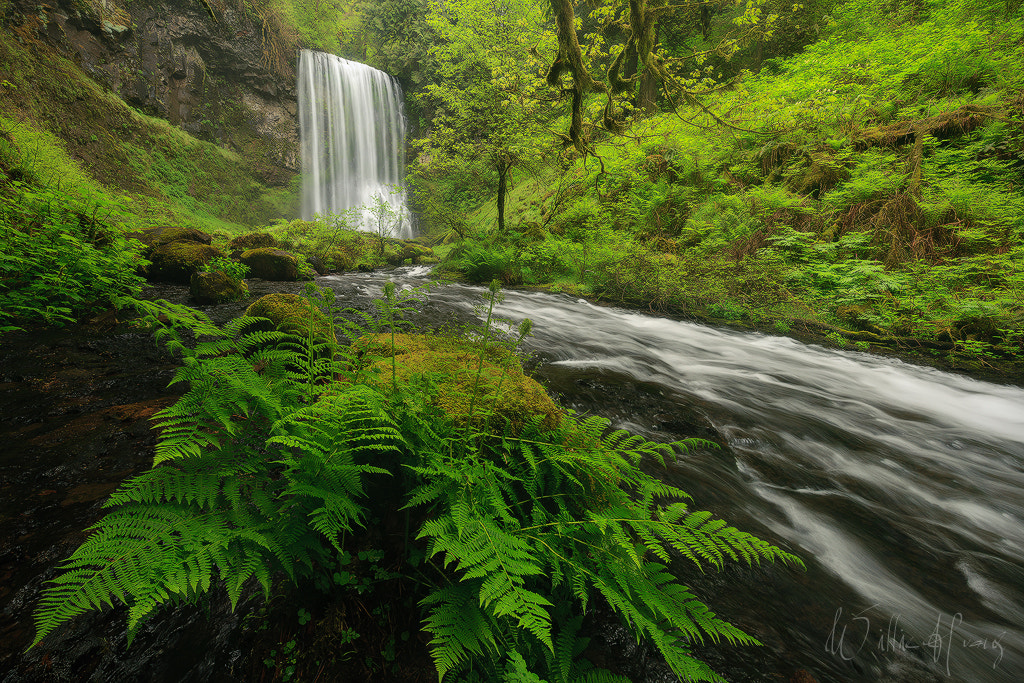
352, 132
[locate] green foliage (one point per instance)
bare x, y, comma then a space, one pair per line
264, 464
870, 183
485, 103
62, 249
259, 469
233, 269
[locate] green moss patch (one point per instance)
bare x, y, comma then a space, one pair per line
178, 261
504, 392
290, 313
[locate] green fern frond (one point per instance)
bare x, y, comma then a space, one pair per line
459, 627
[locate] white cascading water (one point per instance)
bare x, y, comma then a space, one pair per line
352, 133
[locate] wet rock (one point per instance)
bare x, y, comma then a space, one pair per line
271, 264
216, 286
176, 262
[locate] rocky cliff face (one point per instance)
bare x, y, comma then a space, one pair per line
201, 64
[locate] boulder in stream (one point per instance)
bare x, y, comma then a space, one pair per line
216, 286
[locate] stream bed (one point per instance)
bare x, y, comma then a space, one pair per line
901, 487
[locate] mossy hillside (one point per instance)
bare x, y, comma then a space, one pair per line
452, 368
167, 176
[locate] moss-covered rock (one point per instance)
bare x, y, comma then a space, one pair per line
253, 240
157, 237
410, 251
291, 313
504, 392
271, 264
177, 261
215, 286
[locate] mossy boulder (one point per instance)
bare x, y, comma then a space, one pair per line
504, 391
271, 264
177, 261
157, 237
410, 251
253, 240
290, 313
215, 286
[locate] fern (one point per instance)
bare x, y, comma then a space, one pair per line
536, 527
258, 469
263, 464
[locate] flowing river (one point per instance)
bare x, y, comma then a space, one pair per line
902, 487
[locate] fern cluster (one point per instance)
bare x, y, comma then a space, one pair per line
533, 529
263, 467
259, 469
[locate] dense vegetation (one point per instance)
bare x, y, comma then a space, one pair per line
867, 187
848, 168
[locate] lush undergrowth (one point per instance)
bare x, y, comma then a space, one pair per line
64, 253
502, 529
869, 188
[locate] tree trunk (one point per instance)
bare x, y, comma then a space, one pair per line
647, 96
503, 170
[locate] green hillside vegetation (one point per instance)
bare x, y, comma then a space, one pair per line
867, 188
79, 168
